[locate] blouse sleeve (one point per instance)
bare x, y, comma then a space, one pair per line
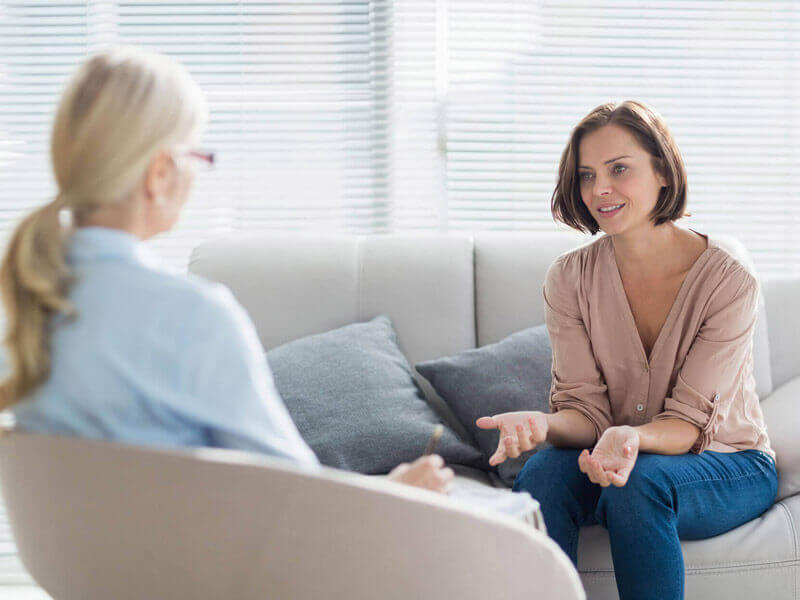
230, 384
711, 376
577, 381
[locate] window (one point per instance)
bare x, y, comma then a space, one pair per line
296, 90
441, 115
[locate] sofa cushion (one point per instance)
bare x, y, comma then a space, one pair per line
355, 402
754, 560
510, 375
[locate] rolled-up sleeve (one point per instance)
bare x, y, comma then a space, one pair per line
711, 376
577, 381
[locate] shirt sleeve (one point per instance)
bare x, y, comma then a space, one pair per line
577, 382
711, 376
231, 388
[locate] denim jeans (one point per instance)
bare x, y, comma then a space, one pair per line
666, 499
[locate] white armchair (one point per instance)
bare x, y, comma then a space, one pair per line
95, 520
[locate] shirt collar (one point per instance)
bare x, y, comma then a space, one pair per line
89, 244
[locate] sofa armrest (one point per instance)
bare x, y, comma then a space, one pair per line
782, 297
782, 415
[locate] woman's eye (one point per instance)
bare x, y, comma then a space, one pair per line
585, 176
619, 169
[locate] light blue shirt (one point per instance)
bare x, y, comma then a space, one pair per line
156, 358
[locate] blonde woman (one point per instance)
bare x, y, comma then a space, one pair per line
656, 427
104, 342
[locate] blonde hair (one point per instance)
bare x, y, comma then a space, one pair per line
118, 111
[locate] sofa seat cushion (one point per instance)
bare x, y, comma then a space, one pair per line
760, 550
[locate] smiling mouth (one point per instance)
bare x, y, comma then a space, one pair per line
611, 210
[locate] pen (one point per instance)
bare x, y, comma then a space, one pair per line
437, 433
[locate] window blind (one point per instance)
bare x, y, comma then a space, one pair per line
297, 93
723, 74
374, 116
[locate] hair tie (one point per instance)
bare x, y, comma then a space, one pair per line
59, 204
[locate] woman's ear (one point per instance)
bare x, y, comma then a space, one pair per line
158, 177
658, 168
661, 178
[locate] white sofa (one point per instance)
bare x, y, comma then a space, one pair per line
448, 293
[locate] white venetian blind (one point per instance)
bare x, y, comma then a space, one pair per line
724, 74
374, 116
297, 98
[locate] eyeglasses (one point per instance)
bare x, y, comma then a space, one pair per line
206, 158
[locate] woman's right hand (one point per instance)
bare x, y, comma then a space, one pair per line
427, 472
519, 432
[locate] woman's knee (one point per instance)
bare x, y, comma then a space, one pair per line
644, 494
548, 467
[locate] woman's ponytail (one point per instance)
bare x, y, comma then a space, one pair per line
34, 279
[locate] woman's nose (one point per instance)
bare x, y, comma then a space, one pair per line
602, 187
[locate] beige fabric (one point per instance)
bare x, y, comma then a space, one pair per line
700, 368
95, 521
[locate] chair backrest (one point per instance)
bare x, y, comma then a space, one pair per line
95, 520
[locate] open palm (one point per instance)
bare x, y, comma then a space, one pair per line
613, 457
519, 432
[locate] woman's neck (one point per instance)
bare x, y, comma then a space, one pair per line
654, 252
120, 216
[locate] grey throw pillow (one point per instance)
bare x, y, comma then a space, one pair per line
511, 375
354, 399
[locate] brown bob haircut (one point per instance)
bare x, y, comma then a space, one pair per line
651, 132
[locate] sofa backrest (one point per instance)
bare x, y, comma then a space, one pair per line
294, 285
782, 296
509, 275
444, 293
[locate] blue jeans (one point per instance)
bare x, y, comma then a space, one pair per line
666, 499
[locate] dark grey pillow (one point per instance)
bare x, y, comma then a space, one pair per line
511, 375
354, 399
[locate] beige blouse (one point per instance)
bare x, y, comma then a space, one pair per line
700, 367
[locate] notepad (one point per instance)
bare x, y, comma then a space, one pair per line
519, 505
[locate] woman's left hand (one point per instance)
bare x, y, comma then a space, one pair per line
613, 456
